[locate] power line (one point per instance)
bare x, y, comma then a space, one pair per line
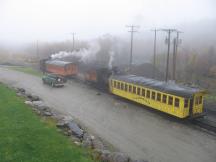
169, 31
132, 31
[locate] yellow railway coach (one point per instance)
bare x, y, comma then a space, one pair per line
177, 100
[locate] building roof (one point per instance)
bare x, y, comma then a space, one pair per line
58, 63
167, 87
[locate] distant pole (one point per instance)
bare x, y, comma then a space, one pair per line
37, 50
132, 31
174, 57
73, 34
169, 31
168, 52
154, 56
176, 42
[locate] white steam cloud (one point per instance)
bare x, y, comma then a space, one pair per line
86, 54
111, 59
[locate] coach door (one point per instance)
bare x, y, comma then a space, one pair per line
191, 107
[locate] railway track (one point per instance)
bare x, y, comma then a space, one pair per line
206, 124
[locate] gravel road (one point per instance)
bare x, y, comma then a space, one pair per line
130, 128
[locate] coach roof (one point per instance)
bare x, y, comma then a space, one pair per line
58, 63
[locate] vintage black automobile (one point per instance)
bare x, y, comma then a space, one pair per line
53, 80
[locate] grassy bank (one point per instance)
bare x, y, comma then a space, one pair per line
27, 70
25, 137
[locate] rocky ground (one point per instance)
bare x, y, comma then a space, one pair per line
131, 129
75, 131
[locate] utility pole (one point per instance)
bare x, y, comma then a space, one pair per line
176, 42
132, 31
37, 50
154, 56
174, 57
73, 34
169, 31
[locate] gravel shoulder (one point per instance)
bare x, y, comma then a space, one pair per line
130, 128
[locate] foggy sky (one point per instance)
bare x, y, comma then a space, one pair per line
47, 20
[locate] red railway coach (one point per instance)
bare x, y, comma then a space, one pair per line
62, 68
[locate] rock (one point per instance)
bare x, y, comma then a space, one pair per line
67, 118
47, 113
138, 161
32, 97
29, 103
22, 90
87, 141
35, 98
104, 156
118, 157
61, 124
40, 105
73, 138
20, 94
28, 95
77, 143
76, 130
87, 144
98, 144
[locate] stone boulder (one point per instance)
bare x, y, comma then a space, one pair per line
138, 161
75, 129
22, 90
29, 103
118, 157
104, 155
40, 105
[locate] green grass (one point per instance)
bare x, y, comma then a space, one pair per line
25, 137
27, 70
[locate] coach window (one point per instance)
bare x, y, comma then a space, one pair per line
176, 102
130, 88
126, 87
148, 94
158, 97
186, 103
170, 100
143, 92
200, 100
115, 84
134, 89
118, 85
164, 98
196, 101
138, 90
153, 95
122, 86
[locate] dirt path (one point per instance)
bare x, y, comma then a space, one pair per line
130, 128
